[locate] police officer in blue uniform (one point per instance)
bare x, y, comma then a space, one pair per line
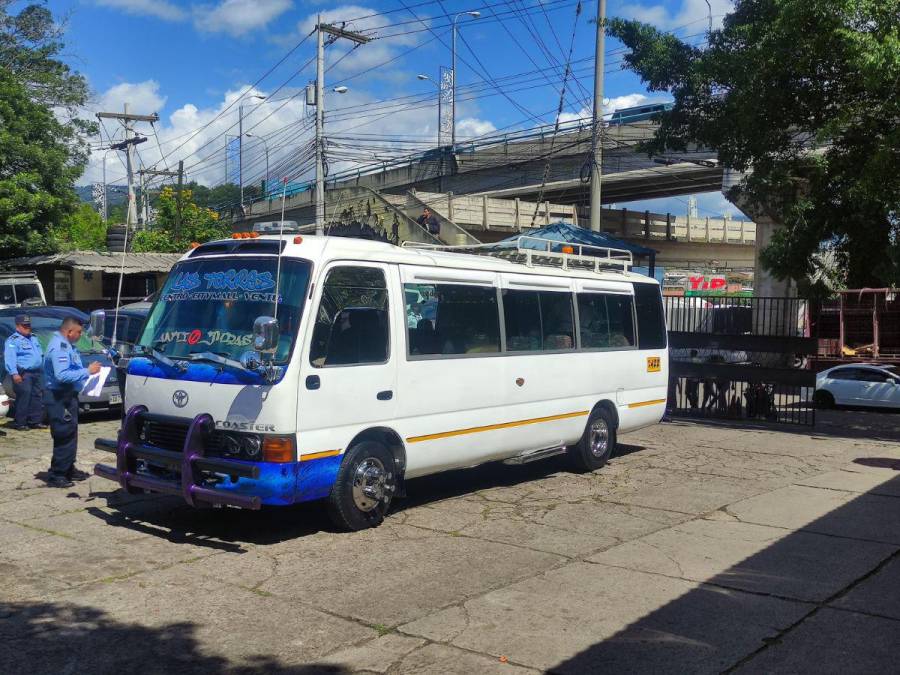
66, 376
23, 357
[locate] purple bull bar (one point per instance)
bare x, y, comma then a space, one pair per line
191, 461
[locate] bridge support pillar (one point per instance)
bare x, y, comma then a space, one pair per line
765, 285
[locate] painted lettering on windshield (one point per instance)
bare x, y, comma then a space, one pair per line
213, 337
247, 285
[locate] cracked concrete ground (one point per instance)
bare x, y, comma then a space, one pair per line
698, 549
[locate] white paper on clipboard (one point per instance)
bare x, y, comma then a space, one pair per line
94, 385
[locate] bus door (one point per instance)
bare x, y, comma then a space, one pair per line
348, 373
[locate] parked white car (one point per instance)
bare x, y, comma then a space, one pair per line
858, 385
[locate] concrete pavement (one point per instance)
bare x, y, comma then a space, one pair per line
698, 549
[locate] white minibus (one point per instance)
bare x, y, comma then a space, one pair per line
282, 369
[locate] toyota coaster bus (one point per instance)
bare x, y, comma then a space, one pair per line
283, 369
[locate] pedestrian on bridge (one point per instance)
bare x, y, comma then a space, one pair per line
429, 222
23, 357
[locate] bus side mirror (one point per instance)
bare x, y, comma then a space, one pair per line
265, 334
98, 323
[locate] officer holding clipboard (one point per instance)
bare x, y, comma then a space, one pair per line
65, 376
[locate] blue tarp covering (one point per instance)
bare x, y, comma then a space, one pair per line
571, 234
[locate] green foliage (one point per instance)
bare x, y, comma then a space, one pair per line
42, 147
83, 230
803, 94
198, 224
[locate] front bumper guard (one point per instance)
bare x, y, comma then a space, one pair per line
191, 462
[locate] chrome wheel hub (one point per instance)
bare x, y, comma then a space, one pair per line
598, 437
371, 484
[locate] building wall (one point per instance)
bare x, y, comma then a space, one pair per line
86, 285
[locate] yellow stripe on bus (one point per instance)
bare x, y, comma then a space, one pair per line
492, 427
643, 403
320, 455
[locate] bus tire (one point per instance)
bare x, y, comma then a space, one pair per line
365, 484
597, 442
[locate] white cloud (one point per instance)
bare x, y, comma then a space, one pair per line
141, 97
238, 17
161, 9
691, 16
471, 127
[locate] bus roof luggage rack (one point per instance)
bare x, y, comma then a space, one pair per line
530, 251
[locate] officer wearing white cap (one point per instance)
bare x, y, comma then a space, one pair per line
22, 357
66, 376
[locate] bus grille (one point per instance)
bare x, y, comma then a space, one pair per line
171, 436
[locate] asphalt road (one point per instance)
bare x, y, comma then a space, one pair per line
699, 549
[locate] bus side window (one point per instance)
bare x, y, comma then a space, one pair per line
538, 320
621, 321
352, 324
605, 321
451, 319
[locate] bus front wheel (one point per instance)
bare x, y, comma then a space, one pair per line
365, 484
596, 444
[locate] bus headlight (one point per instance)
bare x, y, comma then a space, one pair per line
251, 447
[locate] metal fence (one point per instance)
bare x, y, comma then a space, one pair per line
741, 358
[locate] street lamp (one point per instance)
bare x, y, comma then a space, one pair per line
474, 15
425, 78
266, 146
241, 144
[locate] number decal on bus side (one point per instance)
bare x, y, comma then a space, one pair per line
653, 364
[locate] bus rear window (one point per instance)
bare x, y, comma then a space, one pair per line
650, 318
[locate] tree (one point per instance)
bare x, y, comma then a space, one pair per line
803, 95
42, 146
197, 224
83, 230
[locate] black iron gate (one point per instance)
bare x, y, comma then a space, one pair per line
741, 359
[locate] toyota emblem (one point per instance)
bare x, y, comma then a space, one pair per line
180, 398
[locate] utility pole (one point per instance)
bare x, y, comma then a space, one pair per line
597, 140
474, 15
170, 174
336, 34
127, 145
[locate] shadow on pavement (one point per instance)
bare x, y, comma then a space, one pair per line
54, 638
818, 600
226, 529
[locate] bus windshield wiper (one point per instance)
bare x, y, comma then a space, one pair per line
219, 359
159, 357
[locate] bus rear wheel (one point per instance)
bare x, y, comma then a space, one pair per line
365, 485
596, 444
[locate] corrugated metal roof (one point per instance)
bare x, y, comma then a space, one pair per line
94, 261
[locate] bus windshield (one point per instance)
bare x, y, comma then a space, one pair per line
209, 305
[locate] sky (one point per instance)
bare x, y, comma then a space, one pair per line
194, 61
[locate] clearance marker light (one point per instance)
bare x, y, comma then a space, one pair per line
568, 249
195, 244
236, 235
278, 449
298, 240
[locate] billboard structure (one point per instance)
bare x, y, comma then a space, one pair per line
445, 107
